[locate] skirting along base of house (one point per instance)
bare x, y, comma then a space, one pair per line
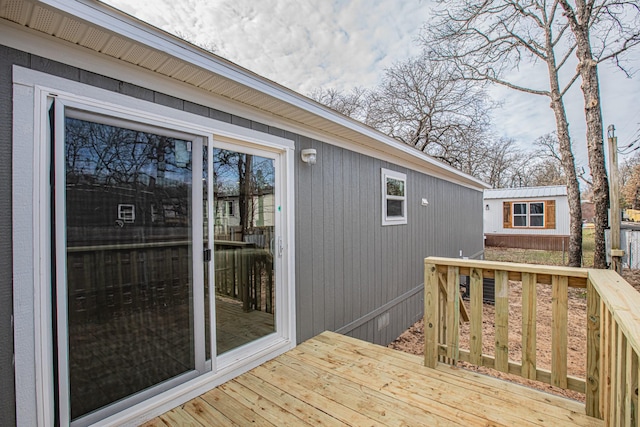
542, 242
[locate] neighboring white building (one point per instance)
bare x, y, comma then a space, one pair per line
530, 217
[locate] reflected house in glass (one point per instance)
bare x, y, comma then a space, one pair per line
167, 235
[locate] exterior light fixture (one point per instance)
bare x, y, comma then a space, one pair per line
486, 208
309, 155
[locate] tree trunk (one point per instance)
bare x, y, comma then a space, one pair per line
566, 157
588, 69
573, 187
244, 173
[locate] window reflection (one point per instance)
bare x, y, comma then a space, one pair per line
129, 269
244, 204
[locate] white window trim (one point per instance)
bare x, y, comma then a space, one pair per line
386, 220
33, 340
528, 215
524, 215
127, 212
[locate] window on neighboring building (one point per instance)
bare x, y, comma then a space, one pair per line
528, 214
394, 197
127, 213
536, 214
228, 208
519, 214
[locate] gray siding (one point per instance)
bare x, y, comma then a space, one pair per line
349, 269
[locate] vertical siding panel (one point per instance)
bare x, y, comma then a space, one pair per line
328, 281
351, 278
376, 199
304, 251
359, 283
371, 234
317, 240
339, 238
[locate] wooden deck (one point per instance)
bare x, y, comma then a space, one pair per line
336, 380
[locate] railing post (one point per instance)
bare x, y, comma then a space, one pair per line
431, 315
593, 352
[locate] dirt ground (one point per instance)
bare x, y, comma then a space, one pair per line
412, 340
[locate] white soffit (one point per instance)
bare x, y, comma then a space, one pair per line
103, 29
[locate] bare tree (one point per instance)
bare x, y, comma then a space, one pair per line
421, 103
353, 103
603, 29
487, 40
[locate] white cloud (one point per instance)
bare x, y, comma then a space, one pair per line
301, 45
346, 43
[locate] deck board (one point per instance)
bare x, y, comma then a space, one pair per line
335, 380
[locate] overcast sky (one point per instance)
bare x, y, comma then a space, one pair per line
340, 44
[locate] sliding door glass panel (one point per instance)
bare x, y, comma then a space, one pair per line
130, 307
244, 234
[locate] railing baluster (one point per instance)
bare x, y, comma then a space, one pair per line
502, 320
529, 302
593, 390
559, 331
628, 382
635, 372
453, 313
613, 334
476, 289
620, 371
604, 364
431, 315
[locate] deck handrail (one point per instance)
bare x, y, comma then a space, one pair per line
613, 328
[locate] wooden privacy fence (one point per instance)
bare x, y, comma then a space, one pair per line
245, 273
112, 280
613, 329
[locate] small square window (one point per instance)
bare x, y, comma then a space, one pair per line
127, 213
394, 197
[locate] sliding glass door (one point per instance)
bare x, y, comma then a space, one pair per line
165, 257
244, 246
130, 296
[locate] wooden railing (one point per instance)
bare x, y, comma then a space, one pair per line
613, 328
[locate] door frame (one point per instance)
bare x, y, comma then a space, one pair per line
31, 210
